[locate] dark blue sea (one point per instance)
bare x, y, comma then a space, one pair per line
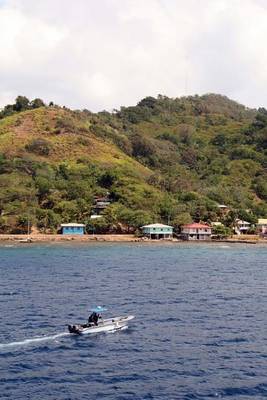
200, 330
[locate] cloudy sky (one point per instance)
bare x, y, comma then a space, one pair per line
101, 54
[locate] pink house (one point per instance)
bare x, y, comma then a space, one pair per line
196, 231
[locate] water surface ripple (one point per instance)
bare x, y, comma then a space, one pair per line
199, 332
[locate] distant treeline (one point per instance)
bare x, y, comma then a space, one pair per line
22, 103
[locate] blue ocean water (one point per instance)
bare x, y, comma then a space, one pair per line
199, 333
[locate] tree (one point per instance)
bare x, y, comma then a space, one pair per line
47, 220
261, 187
97, 225
22, 103
39, 146
8, 110
44, 186
221, 231
247, 216
142, 146
181, 219
167, 208
36, 103
108, 178
149, 102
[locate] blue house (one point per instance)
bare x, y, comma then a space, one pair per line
72, 229
157, 231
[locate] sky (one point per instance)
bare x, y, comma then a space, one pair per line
103, 54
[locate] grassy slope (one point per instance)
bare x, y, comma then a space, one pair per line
182, 169
19, 130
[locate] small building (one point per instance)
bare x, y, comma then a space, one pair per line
157, 231
262, 226
223, 209
72, 229
196, 231
241, 227
95, 216
100, 205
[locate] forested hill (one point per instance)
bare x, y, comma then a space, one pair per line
168, 160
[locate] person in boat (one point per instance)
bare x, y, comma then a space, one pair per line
93, 318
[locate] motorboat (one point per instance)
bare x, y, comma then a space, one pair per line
27, 240
101, 325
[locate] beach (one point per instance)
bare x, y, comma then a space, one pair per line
66, 238
39, 238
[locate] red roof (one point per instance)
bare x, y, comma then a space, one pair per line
196, 225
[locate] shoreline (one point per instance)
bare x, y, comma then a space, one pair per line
58, 238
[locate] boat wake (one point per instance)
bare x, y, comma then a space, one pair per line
33, 340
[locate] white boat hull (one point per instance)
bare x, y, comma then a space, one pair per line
105, 325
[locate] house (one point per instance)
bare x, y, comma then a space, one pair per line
157, 231
196, 231
262, 226
100, 203
223, 209
72, 229
241, 227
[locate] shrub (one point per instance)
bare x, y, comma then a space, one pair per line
39, 146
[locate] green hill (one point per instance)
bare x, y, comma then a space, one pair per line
169, 160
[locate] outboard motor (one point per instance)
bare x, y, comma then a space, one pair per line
74, 329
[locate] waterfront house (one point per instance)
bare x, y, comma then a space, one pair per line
241, 227
196, 231
72, 229
157, 231
262, 226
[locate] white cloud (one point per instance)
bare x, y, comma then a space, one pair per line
96, 55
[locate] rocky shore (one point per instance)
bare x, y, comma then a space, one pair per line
65, 238
36, 238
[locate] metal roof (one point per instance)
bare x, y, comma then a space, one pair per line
72, 224
262, 221
196, 225
156, 226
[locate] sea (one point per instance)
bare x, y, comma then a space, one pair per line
200, 327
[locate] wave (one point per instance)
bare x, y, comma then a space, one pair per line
29, 341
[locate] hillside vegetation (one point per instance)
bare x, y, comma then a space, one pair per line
168, 160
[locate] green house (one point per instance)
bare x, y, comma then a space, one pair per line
157, 231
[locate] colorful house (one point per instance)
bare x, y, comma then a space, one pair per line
157, 231
262, 226
72, 229
196, 231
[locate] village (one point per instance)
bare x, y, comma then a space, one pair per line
242, 231
193, 231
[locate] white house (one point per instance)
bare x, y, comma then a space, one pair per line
241, 227
196, 231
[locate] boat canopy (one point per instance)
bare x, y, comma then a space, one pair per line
98, 309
